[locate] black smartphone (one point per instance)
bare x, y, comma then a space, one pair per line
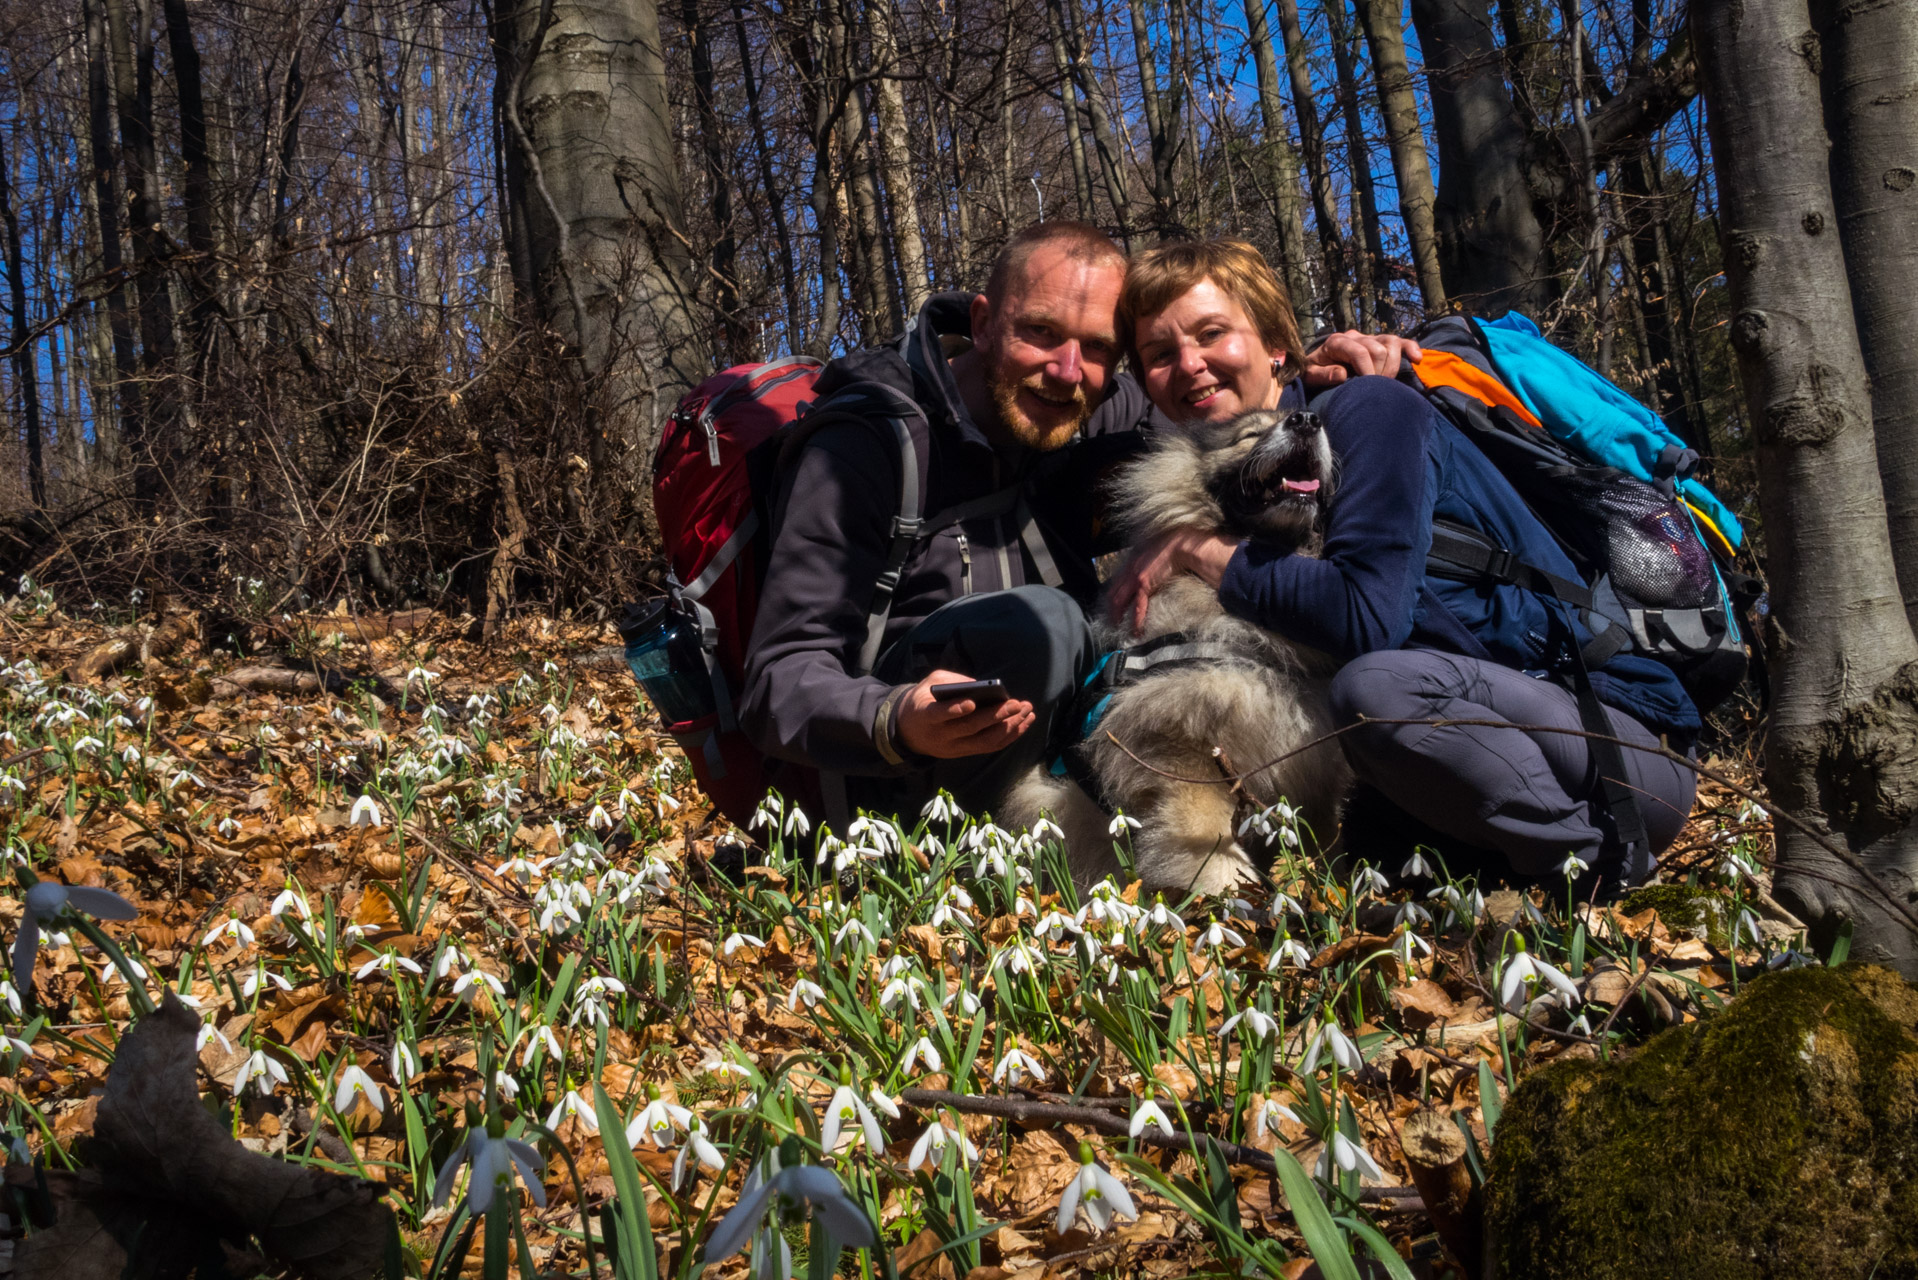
986, 693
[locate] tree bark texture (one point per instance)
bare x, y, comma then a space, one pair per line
1162, 126
1370, 280
604, 218
1489, 238
25, 376
1069, 110
1870, 54
895, 155
1843, 750
1282, 165
733, 341
1385, 33
1325, 207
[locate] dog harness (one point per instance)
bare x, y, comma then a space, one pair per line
1116, 669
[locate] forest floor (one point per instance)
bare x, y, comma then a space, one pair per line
534, 894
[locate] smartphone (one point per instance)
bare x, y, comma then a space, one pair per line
986, 693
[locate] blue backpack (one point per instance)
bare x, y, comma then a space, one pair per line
1654, 547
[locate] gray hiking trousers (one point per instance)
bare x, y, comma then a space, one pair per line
1531, 796
1034, 638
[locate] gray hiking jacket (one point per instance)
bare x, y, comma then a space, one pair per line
832, 523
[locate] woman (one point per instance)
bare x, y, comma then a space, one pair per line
1212, 336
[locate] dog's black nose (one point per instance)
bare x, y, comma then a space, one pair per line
1304, 422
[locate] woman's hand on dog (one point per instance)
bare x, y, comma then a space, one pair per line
1202, 554
1354, 354
949, 730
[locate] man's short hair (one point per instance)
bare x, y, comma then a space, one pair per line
1081, 241
1158, 277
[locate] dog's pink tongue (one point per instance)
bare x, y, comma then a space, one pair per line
1302, 486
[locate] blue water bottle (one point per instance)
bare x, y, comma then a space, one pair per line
663, 649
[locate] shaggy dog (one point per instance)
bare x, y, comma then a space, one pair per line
1253, 695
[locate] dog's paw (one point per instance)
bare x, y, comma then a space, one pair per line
1214, 871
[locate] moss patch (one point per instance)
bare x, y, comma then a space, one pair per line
1684, 909
1777, 1139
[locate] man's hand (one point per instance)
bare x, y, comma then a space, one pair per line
1353, 354
1181, 551
949, 730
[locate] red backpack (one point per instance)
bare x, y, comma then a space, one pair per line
712, 475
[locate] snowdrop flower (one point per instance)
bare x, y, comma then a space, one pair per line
1523, 971
699, 1147
942, 808
473, 981
1405, 942
934, 1141
1258, 1022
365, 813
1101, 1195
1289, 952
1016, 1065
1416, 865
908, 989
956, 904
809, 991
1163, 917
1332, 1040
386, 962
403, 1063
209, 1033
293, 900
1055, 925
452, 960
234, 929
713, 1062
228, 827
262, 976
1746, 926
494, 1161
1411, 915
735, 941
1573, 866
541, 1037
1217, 935
354, 1080
11, 996
854, 927
1350, 1157
47, 902
1121, 825
1019, 958
1270, 1112
1149, 1115
922, 1048
1022, 907
803, 1186
571, 1104
846, 1108
657, 1120
599, 819
1736, 866
259, 1066
188, 778
1368, 880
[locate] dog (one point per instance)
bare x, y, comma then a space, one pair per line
1248, 697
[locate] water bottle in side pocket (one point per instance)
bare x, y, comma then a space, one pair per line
663, 650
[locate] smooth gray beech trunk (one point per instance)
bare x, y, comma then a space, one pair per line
1338, 280
1282, 168
1843, 746
603, 211
1384, 23
1489, 238
1870, 52
895, 153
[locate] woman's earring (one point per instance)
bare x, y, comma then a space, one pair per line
1277, 363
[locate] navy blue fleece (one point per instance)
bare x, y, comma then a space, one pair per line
1400, 465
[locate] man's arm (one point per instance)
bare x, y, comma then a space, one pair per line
799, 702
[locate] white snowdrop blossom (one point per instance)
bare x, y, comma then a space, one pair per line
1268, 1115
933, 1142
403, 1062
1217, 935
494, 1161
942, 808
365, 813
1330, 1039
354, 1080
1258, 1022
599, 819
698, 1147
1416, 865
473, 981
1016, 1066
847, 1117
1055, 925
573, 1106
1161, 916
1573, 866
541, 1037
258, 1066
1524, 971
292, 900
261, 976
1411, 915
234, 929
1121, 825
922, 1048
386, 962
1350, 1157
809, 991
1289, 952
737, 941
1102, 1196
1148, 1114
657, 1121
1368, 880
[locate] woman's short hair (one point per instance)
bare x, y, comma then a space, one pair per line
1158, 277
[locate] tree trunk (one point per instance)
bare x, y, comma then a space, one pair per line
105, 159
1871, 110
1646, 213
881, 312
1845, 664
1385, 33
895, 154
1369, 272
1489, 238
201, 274
719, 187
769, 183
604, 220
1162, 123
1282, 163
1069, 108
1325, 208
1111, 162
25, 375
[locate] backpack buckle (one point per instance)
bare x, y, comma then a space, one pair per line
1500, 564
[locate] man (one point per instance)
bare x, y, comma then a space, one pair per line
988, 390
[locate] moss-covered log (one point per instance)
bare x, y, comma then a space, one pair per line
1776, 1139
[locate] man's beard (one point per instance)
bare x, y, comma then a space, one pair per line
1005, 399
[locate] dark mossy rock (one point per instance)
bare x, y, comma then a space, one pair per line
1778, 1138
1686, 910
